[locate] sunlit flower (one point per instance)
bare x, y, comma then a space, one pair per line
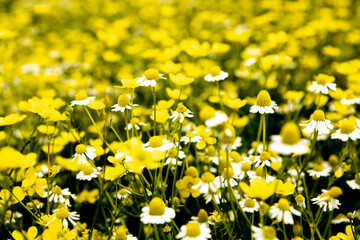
264, 233
88, 172
264, 159
59, 195
327, 200
322, 83
282, 211
156, 212
64, 215
172, 156
300, 201
194, 231
355, 183
249, 205
123, 104
320, 170
263, 103
121, 234
81, 99
82, 152
158, 143
180, 113
347, 130
318, 123
206, 183
216, 74
190, 137
226, 177
150, 77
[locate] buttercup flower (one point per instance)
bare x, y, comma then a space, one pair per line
263, 103
322, 84
150, 77
216, 74
82, 152
156, 212
81, 99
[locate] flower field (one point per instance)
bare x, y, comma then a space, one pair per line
179, 119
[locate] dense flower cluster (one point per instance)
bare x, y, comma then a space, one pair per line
184, 119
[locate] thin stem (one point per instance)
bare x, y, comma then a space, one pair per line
154, 99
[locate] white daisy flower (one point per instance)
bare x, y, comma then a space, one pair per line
206, 183
300, 201
340, 218
190, 137
355, 183
172, 156
180, 113
194, 231
121, 234
218, 119
156, 212
123, 104
327, 200
320, 170
322, 84
263, 103
64, 215
81, 99
249, 205
264, 159
214, 196
58, 195
350, 101
158, 143
88, 172
150, 77
202, 218
136, 122
123, 193
347, 130
227, 176
264, 233
318, 123
282, 211
216, 74
289, 141
82, 152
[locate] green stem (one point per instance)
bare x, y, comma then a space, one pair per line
154, 99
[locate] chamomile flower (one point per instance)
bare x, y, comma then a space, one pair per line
216, 74
282, 211
180, 113
59, 195
150, 77
300, 201
136, 122
88, 172
81, 99
202, 218
190, 137
264, 233
206, 183
249, 205
123, 104
82, 152
158, 143
121, 234
263, 103
327, 200
156, 212
172, 156
123, 193
289, 141
318, 123
64, 215
340, 218
264, 159
355, 183
322, 84
347, 130
218, 118
350, 98
226, 177
194, 231
320, 170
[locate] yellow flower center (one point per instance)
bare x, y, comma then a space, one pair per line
215, 71
193, 229
123, 192
211, 151
283, 204
152, 74
207, 177
290, 133
300, 198
246, 166
80, 149
123, 100
263, 99
347, 126
81, 96
323, 79
172, 153
334, 192
56, 190
250, 203
156, 141
157, 207
181, 108
269, 232
87, 170
235, 156
62, 213
228, 172
190, 135
318, 115
318, 168
265, 156
202, 216
120, 234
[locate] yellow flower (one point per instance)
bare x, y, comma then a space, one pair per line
11, 119
29, 235
180, 79
11, 158
258, 188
